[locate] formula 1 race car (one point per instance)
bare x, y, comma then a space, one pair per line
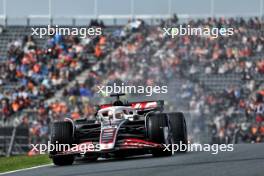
119, 130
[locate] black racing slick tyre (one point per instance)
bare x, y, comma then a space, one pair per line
63, 160
62, 133
155, 126
178, 129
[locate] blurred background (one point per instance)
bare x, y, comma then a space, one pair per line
216, 82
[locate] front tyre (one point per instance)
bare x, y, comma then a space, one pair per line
63, 160
62, 133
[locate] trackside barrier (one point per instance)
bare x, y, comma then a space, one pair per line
14, 140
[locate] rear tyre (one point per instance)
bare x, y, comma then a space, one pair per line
155, 125
62, 133
179, 129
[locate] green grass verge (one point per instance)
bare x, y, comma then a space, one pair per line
20, 162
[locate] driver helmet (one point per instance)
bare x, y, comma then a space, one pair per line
119, 114
110, 114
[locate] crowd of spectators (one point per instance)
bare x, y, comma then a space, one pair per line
35, 73
151, 58
139, 54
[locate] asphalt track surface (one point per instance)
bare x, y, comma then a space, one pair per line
245, 160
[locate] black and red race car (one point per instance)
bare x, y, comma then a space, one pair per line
118, 130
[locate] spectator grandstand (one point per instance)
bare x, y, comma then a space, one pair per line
217, 81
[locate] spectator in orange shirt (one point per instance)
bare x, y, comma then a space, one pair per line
15, 106
98, 51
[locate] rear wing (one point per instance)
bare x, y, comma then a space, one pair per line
141, 106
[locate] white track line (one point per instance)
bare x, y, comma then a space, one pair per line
9, 172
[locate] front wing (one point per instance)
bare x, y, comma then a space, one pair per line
125, 144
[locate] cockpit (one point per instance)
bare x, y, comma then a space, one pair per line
116, 113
